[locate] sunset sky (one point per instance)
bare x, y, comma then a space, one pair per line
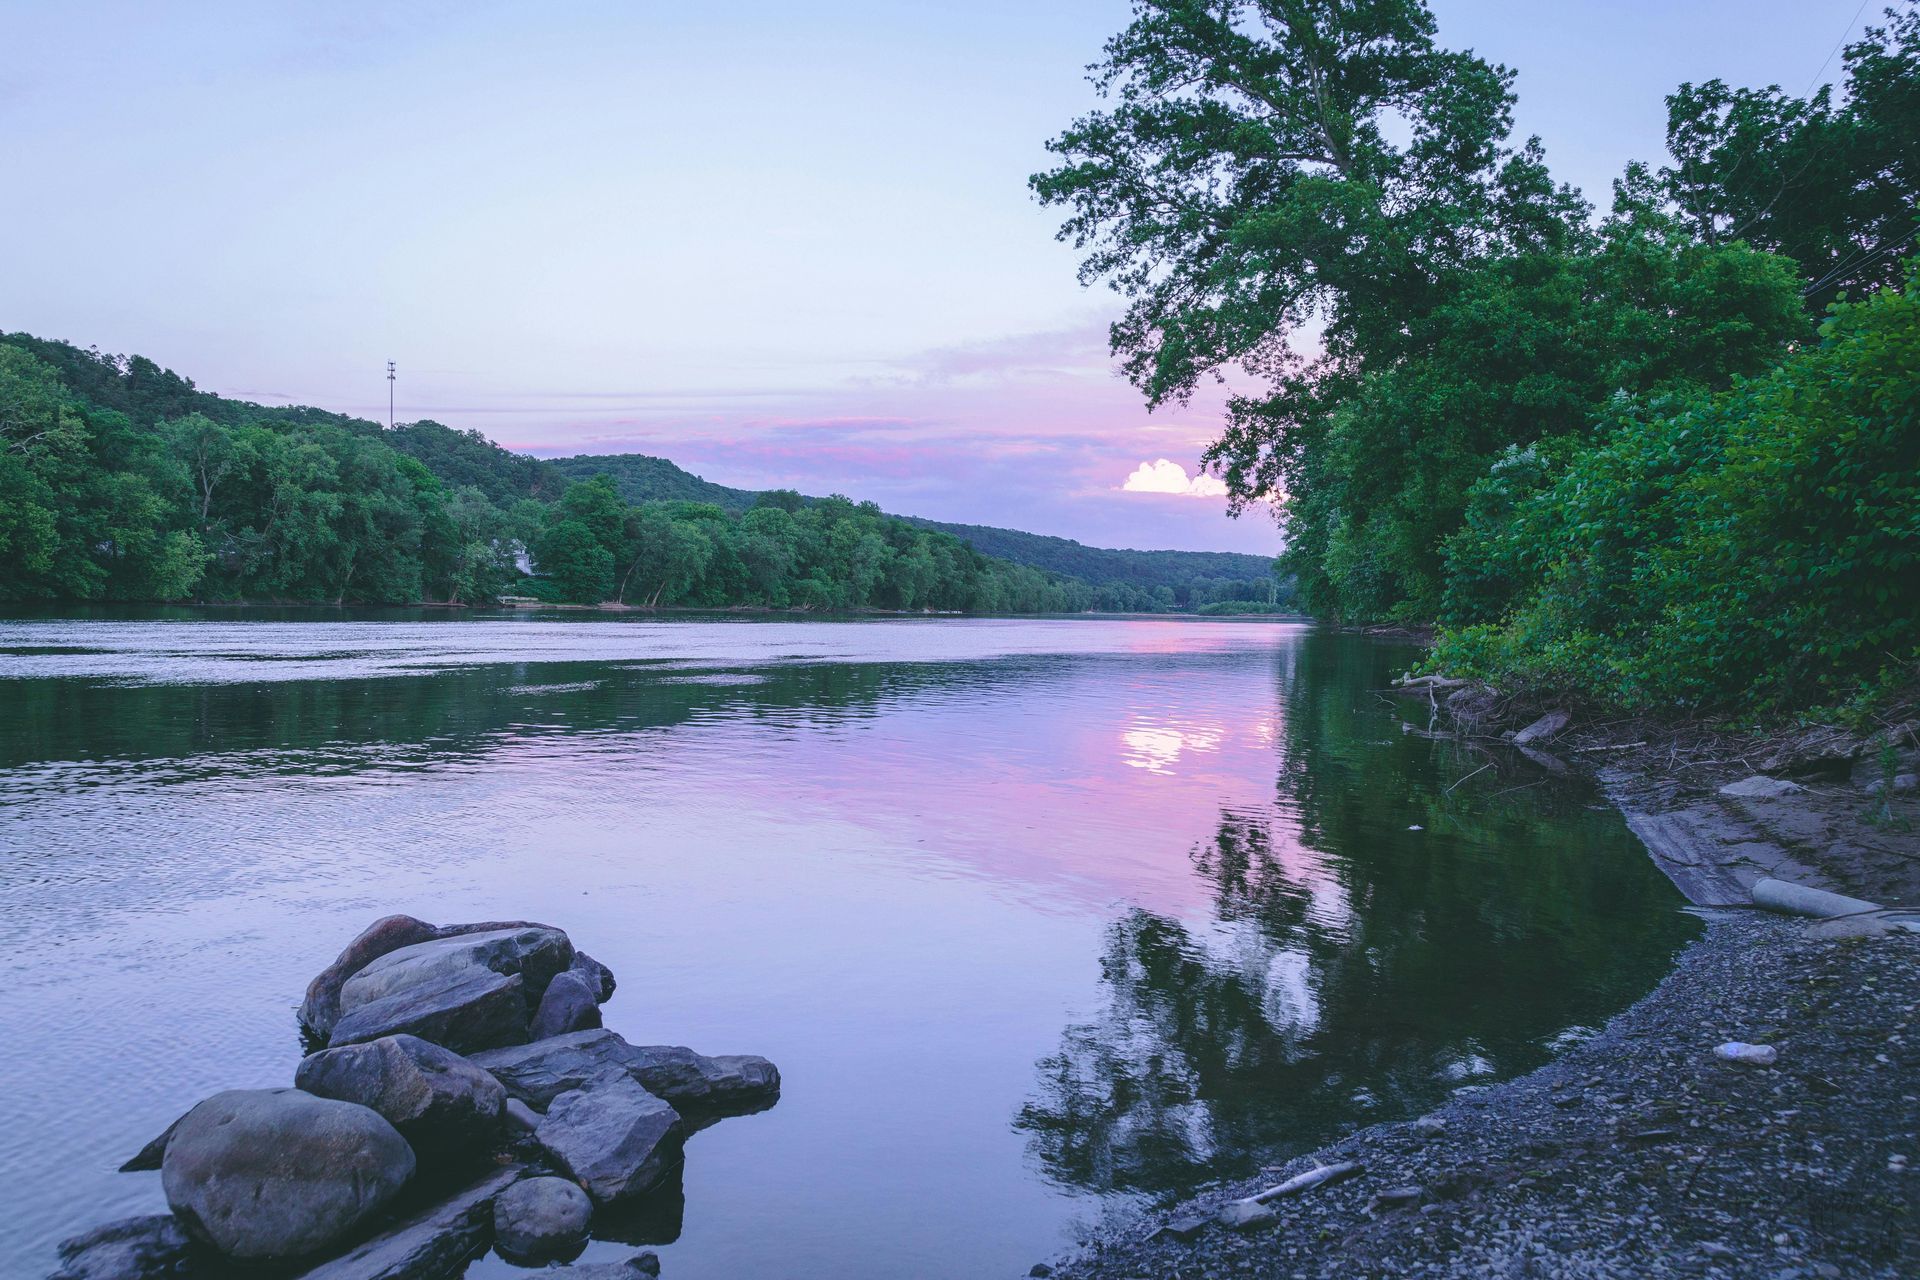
782, 245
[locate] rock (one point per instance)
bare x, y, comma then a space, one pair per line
1872, 924
462, 1012
598, 976
613, 1136
1429, 1127
539, 1219
535, 952
148, 1157
1546, 760
1245, 1215
1824, 752
1902, 782
520, 1118
277, 1173
568, 1005
149, 1248
1761, 787
1395, 1198
431, 1244
1040, 1270
321, 1009
1180, 1229
539, 1072
1547, 726
639, 1265
440, 1102
1748, 1055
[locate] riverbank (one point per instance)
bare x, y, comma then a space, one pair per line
1640, 1152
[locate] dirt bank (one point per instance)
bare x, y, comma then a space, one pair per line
1640, 1153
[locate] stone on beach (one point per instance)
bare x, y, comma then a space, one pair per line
281, 1174
440, 1102
539, 1219
612, 1135
539, 1072
1761, 787
1244, 1215
570, 1004
462, 1011
1746, 1055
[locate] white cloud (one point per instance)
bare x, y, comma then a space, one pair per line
1163, 476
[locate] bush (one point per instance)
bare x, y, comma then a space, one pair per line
1756, 547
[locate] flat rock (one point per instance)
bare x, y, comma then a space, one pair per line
463, 1011
614, 1137
321, 1009
149, 1248
440, 1102
1547, 726
535, 952
641, 1266
432, 1244
1761, 787
539, 1072
1245, 1215
281, 1174
570, 1004
538, 1219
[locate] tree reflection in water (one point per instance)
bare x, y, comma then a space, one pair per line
1351, 970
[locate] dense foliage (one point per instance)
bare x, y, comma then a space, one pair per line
1265, 170
1760, 544
1130, 580
121, 481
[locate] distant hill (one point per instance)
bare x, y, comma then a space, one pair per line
641, 478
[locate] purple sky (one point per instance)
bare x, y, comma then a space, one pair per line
779, 244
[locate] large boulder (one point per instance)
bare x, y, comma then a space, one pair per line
612, 1136
463, 1011
541, 1219
280, 1174
440, 1102
539, 1072
321, 1009
568, 1005
598, 976
150, 1248
535, 952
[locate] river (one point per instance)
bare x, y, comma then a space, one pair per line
1042, 920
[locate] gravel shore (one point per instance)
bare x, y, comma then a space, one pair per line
1640, 1153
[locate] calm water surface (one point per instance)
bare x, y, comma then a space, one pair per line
1042, 921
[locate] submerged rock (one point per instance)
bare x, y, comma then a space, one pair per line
539, 1072
476, 1009
569, 1004
540, 1219
149, 1248
612, 1135
281, 1174
440, 1102
641, 1266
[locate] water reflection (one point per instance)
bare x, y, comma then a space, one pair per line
898, 860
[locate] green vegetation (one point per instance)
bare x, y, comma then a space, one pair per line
121, 481
1609, 453
1135, 581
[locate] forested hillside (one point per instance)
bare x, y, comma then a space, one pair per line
1142, 579
120, 480
1615, 453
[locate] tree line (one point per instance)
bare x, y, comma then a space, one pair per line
119, 480
1583, 442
